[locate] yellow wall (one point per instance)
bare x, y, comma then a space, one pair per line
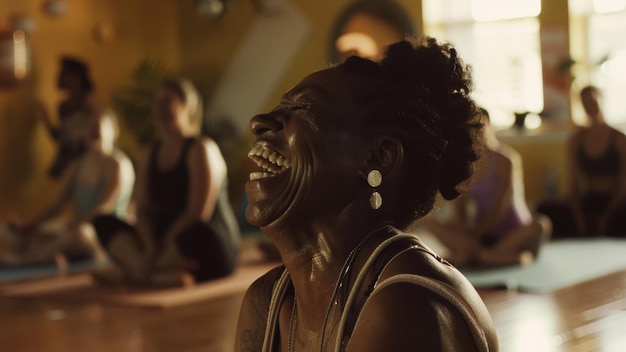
207, 49
539, 153
172, 33
143, 29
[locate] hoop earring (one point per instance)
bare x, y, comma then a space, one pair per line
375, 179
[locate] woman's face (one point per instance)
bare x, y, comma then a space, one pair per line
308, 158
169, 109
591, 104
70, 80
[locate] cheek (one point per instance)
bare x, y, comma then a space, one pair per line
341, 152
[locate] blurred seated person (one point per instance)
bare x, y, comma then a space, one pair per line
185, 228
596, 155
501, 229
73, 113
98, 182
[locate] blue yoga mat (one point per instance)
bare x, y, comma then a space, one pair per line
10, 274
561, 263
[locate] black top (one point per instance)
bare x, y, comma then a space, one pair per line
167, 189
603, 165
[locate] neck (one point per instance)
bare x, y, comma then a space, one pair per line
173, 136
75, 95
321, 302
316, 260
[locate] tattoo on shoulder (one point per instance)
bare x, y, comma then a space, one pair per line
250, 341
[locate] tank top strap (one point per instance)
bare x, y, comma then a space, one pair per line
186, 147
154, 153
271, 340
613, 139
152, 157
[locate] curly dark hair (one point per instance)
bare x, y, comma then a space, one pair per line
78, 67
420, 94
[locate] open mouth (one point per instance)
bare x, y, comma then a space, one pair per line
270, 161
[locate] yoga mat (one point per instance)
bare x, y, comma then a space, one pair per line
82, 288
12, 274
561, 263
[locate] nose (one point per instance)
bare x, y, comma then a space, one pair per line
266, 123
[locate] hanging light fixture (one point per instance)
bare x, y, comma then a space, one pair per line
211, 9
55, 8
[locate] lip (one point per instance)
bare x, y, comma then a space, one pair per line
271, 162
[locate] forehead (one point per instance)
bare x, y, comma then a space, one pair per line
329, 83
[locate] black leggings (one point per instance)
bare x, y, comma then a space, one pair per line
212, 252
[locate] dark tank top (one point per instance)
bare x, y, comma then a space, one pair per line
168, 189
168, 192
606, 164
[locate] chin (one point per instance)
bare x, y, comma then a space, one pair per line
259, 212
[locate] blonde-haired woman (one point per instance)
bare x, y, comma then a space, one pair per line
184, 222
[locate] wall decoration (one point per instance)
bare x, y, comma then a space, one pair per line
55, 8
14, 57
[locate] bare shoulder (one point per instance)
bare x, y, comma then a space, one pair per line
422, 317
207, 149
261, 289
124, 164
425, 263
254, 312
207, 143
407, 317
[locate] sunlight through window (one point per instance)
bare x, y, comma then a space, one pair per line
504, 52
607, 6
601, 55
492, 10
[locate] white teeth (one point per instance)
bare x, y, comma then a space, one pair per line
268, 160
259, 175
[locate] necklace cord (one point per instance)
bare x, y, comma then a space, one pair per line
361, 277
292, 325
342, 274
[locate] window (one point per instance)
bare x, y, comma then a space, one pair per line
602, 55
500, 40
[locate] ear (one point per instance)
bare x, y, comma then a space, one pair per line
386, 155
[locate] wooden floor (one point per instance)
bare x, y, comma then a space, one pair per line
586, 317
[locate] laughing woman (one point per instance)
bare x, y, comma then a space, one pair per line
350, 158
